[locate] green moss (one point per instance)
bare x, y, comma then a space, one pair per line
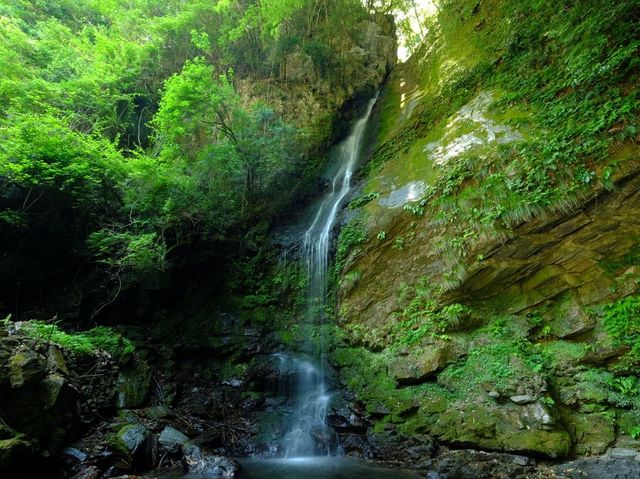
362, 200
12, 450
500, 358
99, 338
233, 371
351, 235
127, 439
132, 386
540, 73
563, 354
425, 317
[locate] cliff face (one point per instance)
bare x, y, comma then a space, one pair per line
489, 285
321, 99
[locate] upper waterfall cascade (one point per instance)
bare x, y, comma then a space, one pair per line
309, 434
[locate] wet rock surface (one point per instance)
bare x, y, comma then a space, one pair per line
196, 462
398, 449
601, 468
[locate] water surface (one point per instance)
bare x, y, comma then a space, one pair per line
326, 467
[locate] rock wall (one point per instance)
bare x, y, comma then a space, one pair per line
514, 338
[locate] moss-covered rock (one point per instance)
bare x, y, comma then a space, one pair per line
420, 364
128, 438
13, 450
469, 204
132, 386
26, 367
51, 389
592, 433
523, 429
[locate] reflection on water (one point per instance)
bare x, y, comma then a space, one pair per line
314, 468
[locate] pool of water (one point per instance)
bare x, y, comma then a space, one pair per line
313, 468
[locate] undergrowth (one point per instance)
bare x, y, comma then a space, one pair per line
86, 342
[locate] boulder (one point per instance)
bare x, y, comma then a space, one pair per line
170, 437
129, 438
399, 449
132, 387
197, 462
591, 433
509, 427
26, 367
522, 399
420, 365
13, 450
55, 361
470, 464
50, 390
325, 438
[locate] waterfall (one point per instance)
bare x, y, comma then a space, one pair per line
309, 434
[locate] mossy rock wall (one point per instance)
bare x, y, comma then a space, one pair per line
489, 295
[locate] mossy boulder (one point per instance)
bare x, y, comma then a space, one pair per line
13, 450
420, 364
510, 427
51, 389
132, 386
26, 367
128, 438
592, 433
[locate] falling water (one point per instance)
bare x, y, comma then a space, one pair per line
309, 434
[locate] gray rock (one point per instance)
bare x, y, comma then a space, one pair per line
522, 399
130, 437
50, 389
25, 367
523, 460
196, 462
620, 453
55, 361
235, 383
171, 437
538, 413
75, 453
600, 468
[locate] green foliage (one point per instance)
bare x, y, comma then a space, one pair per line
501, 365
621, 320
142, 254
123, 137
42, 154
424, 317
351, 235
362, 200
625, 392
266, 281
87, 342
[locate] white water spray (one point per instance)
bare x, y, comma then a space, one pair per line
309, 434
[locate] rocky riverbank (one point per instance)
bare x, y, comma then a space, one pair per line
89, 414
